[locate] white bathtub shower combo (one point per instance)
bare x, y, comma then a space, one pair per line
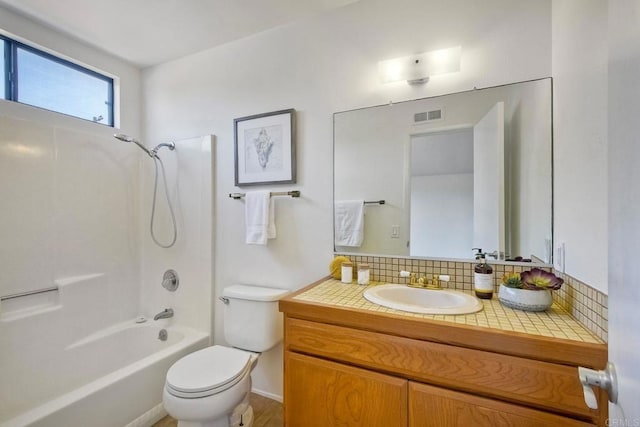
80, 267
79, 372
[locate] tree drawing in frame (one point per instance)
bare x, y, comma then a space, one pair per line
265, 148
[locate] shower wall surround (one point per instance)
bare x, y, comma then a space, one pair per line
189, 176
78, 203
583, 302
71, 209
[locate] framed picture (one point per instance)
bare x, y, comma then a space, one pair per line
265, 148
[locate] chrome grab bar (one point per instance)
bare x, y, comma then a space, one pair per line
25, 294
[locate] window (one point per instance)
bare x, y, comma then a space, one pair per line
42, 80
3, 73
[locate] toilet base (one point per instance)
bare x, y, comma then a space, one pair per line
243, 419
242, 416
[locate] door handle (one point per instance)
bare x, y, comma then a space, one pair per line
605, 380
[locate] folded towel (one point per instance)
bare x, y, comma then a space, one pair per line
349, 222
259, 217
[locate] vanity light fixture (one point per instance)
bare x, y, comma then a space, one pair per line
416, 69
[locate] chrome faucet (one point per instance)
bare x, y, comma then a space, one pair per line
164, 314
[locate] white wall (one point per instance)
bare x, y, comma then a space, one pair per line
319, 66
580, 137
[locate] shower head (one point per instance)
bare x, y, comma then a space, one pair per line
127, 138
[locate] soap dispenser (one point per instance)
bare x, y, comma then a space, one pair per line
482, 276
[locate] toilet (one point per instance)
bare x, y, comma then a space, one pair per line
210, 387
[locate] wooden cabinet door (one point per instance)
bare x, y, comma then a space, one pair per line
431, 406
319, 393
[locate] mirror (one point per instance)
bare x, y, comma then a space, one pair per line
458, 171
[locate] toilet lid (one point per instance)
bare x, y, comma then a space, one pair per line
206, 369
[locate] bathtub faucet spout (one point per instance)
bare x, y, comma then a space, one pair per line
164, 314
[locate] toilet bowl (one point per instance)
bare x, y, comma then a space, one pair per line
210, 387
204, 388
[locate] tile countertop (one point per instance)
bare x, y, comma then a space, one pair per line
555, 322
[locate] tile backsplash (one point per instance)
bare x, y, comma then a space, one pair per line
586, 304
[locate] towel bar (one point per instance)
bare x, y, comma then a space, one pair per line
375, 202
295, 193
24, 294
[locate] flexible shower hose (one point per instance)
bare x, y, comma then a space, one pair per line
157, 160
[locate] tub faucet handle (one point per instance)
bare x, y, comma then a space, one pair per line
170, 280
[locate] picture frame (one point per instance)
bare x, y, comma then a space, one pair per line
265, 148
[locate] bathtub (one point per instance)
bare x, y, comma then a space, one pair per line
113, 377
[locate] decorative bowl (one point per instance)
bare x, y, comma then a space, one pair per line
524, 299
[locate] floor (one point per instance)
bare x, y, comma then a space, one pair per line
267, 413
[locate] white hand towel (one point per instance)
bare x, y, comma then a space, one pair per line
349, 222
259, 217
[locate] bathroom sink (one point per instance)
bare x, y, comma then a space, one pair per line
426, 301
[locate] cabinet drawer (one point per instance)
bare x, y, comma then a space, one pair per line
436, 407
319, 393
534, 383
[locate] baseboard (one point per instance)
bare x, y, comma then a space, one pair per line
150, 417
268, 395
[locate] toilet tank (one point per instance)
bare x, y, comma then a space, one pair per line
251, 317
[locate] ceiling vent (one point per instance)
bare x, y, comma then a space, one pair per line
428, 116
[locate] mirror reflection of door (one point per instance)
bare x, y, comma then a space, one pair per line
488, 182
442, 194
457, 189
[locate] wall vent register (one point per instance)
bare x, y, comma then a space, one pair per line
428, 116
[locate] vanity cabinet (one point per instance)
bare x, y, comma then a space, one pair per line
438, 407
323, 393
348, 367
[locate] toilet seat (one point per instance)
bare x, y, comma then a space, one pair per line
208, 371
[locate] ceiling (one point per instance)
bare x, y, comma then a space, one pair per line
149, 32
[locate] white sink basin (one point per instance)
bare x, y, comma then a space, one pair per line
427, 301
